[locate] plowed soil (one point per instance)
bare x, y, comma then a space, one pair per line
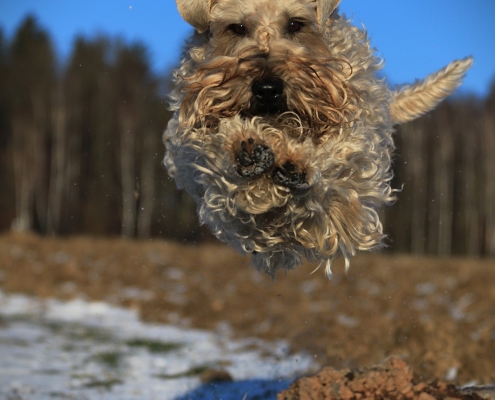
438, 315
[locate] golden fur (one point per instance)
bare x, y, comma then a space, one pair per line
323, 166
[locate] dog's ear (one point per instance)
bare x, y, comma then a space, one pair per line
409, 102
324, 8
195, 12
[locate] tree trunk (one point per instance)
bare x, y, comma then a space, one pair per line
443, 184
417, 171
127, 170
147, 192
489, 195
59, 163
23, 180
39, 164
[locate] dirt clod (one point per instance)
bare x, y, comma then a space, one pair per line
216, 375
391, 380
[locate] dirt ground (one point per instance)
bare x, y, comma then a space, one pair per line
391, 380
438, 315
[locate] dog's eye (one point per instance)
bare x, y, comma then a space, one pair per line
295, 26
238, 29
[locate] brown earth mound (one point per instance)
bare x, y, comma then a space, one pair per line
392, 380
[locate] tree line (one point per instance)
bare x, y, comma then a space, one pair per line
81, 143
81, 151
446, 164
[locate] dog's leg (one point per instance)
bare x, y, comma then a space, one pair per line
290, 175
253, 158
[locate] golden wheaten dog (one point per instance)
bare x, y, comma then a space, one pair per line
282, 129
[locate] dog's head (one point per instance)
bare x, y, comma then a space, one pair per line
275, 58
198, 12
268, 58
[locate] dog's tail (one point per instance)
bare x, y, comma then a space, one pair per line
411, 101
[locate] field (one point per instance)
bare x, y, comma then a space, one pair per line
438, 315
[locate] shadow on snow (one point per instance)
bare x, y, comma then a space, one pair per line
252, 389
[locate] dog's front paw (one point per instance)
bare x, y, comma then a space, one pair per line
253, 158
290, 175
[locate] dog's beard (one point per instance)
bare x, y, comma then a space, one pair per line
315, 90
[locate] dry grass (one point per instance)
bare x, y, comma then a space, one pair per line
437, 314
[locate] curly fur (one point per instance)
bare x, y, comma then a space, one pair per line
335, 133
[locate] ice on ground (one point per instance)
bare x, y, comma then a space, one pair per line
51, 349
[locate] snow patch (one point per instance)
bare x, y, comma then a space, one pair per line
81, 349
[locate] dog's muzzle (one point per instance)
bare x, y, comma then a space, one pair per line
268, 96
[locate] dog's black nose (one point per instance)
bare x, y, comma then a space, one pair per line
268, 90
268, 95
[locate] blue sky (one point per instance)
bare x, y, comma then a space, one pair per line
416, 37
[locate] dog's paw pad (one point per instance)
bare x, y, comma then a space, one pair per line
289, 175
253, 159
